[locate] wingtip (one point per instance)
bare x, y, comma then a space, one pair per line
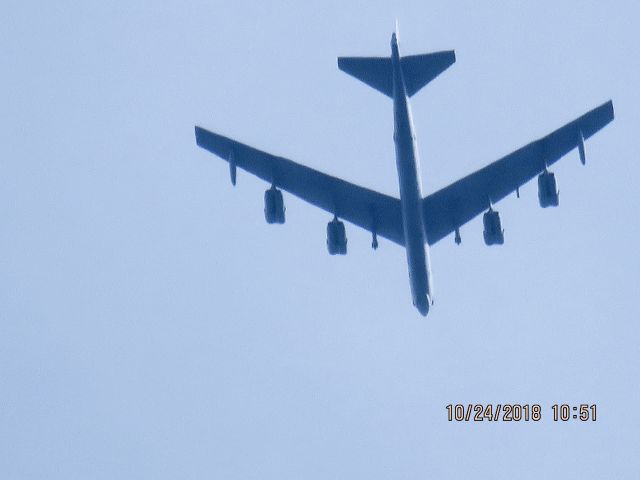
198, 133
606, 107
607, 111
610, 105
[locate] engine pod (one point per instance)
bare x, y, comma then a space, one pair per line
336, 238
493, 232
273, 206
548, 194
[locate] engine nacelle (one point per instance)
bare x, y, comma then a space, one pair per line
548, 194
336, 238
273, 206
493, 232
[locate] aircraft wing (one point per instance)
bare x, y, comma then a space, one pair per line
365, 208
456, 204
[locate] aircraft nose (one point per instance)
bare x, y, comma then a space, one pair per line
423, 305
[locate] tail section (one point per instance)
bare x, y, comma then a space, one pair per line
374, 71
417, 70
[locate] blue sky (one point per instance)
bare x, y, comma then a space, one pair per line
153, 326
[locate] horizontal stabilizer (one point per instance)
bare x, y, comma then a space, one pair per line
417, 70
374, 71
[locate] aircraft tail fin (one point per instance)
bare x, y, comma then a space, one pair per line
418, 70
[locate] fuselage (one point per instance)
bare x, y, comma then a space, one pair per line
408, 165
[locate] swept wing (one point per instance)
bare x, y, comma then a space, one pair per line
365, 208
453, 206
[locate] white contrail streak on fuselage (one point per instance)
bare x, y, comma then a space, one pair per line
408, 165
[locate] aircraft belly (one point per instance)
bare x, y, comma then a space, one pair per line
410, 195
410, 191
417, 262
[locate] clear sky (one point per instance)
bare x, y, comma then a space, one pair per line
153, 326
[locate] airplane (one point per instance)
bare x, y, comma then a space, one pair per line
412, 221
